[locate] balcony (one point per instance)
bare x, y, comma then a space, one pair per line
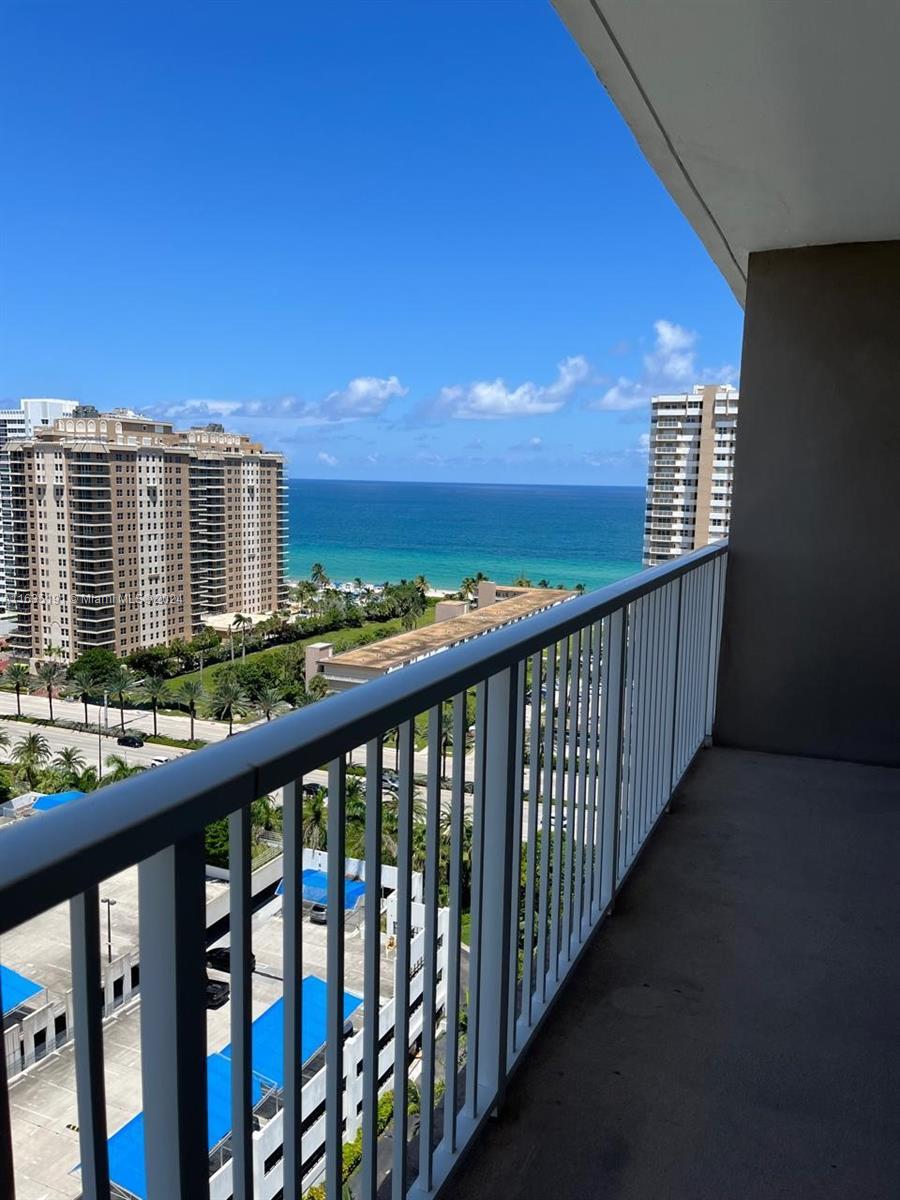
585, 718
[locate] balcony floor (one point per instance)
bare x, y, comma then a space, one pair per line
733, 1029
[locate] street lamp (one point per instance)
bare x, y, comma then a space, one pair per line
110, 904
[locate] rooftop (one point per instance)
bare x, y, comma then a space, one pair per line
405, 648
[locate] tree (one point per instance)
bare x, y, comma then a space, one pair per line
119, 681
82, 682
49, 675
4, 739
270, 701
314, 821
446, 737
70, 763
317, 688
30, 754
119, 768
98, 661
467, 588
155, 689
521, 582
228, 695
188, 694
319, 576
241, 622
19, 676
421, 583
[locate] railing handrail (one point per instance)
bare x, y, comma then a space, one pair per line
48, 860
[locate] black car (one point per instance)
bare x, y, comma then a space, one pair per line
130, 739
312, 789
318, 914
217, 993
220, 959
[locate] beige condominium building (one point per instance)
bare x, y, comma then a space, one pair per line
690, 471
122, 532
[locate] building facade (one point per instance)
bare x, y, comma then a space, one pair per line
19, 423
690, 471
122, 532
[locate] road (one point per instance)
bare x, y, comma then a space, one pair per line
59, 739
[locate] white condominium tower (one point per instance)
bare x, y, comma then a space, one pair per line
690, 471
122, 532
21, 422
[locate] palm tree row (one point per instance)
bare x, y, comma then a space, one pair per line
33, 763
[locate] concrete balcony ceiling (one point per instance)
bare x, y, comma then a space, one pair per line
771, 124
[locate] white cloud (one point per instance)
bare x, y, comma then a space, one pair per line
328, 459
492, 400
628, 455
671, 363
365, 396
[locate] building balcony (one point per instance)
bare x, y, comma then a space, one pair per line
584, 717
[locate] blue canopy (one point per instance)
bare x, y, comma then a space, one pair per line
15, 989
315, 888
126, 1146
45, 803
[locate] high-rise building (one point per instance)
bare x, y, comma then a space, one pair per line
690, 471
18, 423
122, 532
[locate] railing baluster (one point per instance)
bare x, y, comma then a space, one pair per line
546, 823
400, 1171
429, 978
502, 691
515, 881
334, 1017
595, 825
372, 967
474, 1007
84, 925
292, 921
582, 741
173, 1021
627, 718
457, 814
534, 775
572, 749
241, 995
556, 900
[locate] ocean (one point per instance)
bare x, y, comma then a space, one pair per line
446, 531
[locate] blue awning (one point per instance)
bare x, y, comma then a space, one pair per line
45, 803
15, 989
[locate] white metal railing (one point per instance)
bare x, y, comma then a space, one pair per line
586, 716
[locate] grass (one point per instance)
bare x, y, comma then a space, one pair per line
346, 639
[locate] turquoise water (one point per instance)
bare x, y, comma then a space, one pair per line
445, 531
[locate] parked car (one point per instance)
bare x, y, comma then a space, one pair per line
318, 914
130, 739
312, 789
217, 993
159, 762
220, 959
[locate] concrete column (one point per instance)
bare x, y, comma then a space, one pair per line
810, 658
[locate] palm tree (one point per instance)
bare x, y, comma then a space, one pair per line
69, 762
82, 680
317, 688
120, 768
314, 821
319, 575
4, 739
580, 589
49, 676
154, 689
188, 694
467, 588
446, 737
421, 583
227, 696
270, 701
31, 754
119, 681
19, 676
241, 622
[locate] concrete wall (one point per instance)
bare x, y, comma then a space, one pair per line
811, 644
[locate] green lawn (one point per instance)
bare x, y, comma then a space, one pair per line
346, 639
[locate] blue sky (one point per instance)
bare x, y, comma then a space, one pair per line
396, 240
